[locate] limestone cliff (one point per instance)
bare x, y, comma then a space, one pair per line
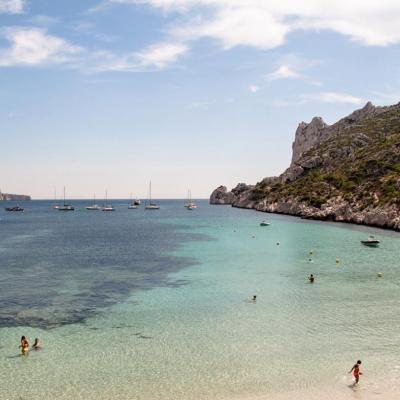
348, 171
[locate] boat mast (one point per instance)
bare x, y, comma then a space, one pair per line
150, 192
64, 195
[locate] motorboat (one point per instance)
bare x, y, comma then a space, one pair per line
371, 242
264, 223
14, 209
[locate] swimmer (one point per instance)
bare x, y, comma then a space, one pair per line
311, 278
36, 344
254, 299
24, 346
356, 371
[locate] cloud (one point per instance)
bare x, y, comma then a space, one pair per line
12, 6
161, 55
34, 46
283, 72
155, 57
333, 97
254, 88
266, 24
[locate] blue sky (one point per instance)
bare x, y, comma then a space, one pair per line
188, 93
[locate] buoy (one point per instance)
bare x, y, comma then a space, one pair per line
380, 274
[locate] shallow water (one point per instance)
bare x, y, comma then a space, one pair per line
195, 334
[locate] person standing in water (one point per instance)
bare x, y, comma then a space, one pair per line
311, 278
36, 344
24, 346
356, 371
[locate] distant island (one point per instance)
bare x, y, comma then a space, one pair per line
14, 197
348, 172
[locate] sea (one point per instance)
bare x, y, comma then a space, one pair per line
157, 304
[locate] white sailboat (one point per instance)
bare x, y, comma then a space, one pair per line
151, 205
190, 205
107, 207
94, 206
65, 206
132, 204
56, 206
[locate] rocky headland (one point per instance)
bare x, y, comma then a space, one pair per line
14, 197
348, 172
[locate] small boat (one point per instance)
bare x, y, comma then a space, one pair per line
132, 205
137, 202
107, 207
14, 209
190, 205
264, 223
371, 242
94, 206
151, 205
56, 206
65, 206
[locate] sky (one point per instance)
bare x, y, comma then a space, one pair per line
110, 94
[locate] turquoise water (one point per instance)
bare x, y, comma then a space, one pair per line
196, 335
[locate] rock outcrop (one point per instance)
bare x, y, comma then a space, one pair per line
14, 197
348, 172
221, 196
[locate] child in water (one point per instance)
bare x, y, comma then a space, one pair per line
36, 345
356, 371
24, 346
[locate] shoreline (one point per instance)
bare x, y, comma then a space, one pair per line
316, 218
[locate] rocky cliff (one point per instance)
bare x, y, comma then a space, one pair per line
348, 171
14, 197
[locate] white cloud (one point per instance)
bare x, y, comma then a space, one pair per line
155, 57
333, 97
12, 6
283, 72
161, 55
254, 88
33, 46
265, 24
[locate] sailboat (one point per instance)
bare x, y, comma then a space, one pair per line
132, 204
56, 206
151, 205
107, 207
94, 206
190, 205
65, 206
